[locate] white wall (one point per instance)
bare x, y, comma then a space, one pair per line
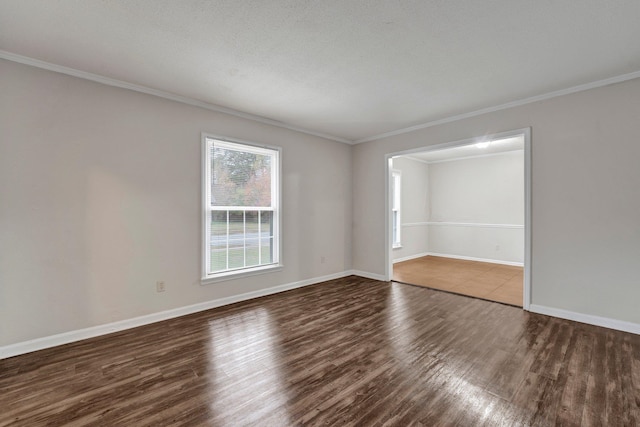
585, 196
414, 208
470, 208
100, 198
482, 201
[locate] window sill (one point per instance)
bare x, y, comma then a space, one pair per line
230, 275
398, 246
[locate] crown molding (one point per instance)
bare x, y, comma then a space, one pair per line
453, 159
549, 95
9, 56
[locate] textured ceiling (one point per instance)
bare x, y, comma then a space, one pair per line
351, 69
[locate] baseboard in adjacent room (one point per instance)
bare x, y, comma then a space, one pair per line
94, 331
410, 257
469, 258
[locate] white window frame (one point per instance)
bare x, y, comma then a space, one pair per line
276, 191
396, 208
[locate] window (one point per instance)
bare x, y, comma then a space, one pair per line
241, 208
396, 178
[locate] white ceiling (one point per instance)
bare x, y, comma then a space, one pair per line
477, 149
352, 69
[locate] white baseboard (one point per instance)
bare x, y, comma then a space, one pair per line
589, 319
368, 275
410, 257
81, 334
94, 331
470, 258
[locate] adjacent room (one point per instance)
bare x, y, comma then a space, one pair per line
460, 216
301, 213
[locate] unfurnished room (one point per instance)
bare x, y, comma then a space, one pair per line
458, 219
288, 213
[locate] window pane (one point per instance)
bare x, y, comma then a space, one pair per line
219, 224
266, 250
266, 224
266, 237
252, 223
236, 254
240, 178
236, 224
396, 191
395, 227
396, 195
252, 256
218, 259
218, 241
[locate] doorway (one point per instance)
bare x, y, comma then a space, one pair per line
463, 221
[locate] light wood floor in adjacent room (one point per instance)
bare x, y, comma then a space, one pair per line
494, 282
350, 351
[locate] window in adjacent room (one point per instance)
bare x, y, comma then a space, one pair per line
241, 208
396, 178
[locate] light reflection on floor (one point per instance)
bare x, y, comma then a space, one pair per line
243, 352
398, 325
458, 394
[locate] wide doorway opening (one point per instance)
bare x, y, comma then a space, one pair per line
458, 217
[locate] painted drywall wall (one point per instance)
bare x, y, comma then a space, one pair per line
472, 207
481, 200
585, 196
100, 198
414, 208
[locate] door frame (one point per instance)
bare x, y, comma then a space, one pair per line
526, 133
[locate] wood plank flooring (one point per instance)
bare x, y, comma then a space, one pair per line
351, 351
494, 282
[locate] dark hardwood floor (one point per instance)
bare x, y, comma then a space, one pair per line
351, 351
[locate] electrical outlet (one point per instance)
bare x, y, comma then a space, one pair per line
160, 287
322, 260
497, 248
